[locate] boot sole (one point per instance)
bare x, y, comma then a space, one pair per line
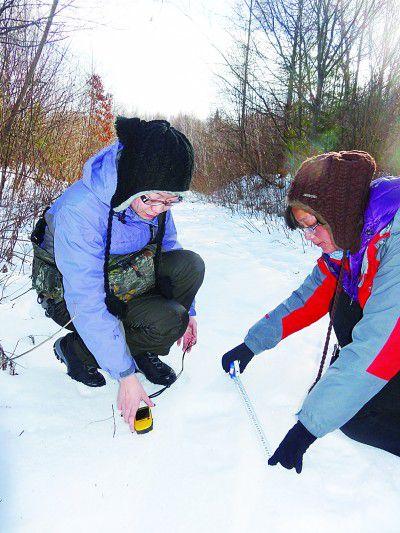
58, 352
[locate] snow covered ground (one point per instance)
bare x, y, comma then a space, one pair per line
201, 469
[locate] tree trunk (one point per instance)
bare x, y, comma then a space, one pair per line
6, 129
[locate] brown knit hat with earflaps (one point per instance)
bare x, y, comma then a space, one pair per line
335, 188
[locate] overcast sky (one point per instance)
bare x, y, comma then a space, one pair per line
156, 55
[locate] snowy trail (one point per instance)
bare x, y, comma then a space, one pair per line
201, 469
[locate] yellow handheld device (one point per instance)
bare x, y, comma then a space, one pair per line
143, 420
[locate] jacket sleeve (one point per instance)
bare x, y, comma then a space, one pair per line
306, 305
79, 254
366, 364
170, 243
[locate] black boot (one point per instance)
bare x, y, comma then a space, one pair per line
155, 370
76, 369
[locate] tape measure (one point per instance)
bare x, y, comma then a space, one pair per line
234, 373
143, 420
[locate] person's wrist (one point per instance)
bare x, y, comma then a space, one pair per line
246, 349
302, 433
130, 378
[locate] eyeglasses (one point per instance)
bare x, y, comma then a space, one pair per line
310, 230
167, 203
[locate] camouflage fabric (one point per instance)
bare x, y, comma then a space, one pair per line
132, 274
129, 275
46, 278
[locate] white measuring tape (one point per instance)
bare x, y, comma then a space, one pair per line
234, 372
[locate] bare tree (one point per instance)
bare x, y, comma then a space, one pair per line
43, 111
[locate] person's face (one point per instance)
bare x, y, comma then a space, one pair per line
150, 205
314, 231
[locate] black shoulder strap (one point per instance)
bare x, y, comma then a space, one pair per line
158, 240
37, 234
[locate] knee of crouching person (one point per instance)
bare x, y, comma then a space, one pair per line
181, 321
196, 262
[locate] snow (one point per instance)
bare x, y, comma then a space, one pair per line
201, 468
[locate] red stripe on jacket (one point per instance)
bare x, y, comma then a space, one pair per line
364, 291
315, 307
387, 363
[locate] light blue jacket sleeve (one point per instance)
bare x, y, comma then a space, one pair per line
305, 305
170, 240
170, 243
79, 254
366, 364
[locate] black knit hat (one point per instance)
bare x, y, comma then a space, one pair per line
155, 157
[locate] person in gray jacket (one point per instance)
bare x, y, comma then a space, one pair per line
356, 223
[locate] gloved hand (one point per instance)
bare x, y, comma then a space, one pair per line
241, 353
290, 451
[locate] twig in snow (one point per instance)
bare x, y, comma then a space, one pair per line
43, 342
11, 367
101, 420
6, 363
19, 288
8, 360
19, 296
3, 359
250, 223
105, 420
15, 347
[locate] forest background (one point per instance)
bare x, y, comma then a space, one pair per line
299, 78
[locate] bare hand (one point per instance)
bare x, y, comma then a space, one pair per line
190, 336
130, 394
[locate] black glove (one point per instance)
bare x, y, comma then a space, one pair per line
241, 353
290, 451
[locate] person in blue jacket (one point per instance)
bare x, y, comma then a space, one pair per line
115, 208
356, 223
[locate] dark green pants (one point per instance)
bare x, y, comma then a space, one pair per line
153, 322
